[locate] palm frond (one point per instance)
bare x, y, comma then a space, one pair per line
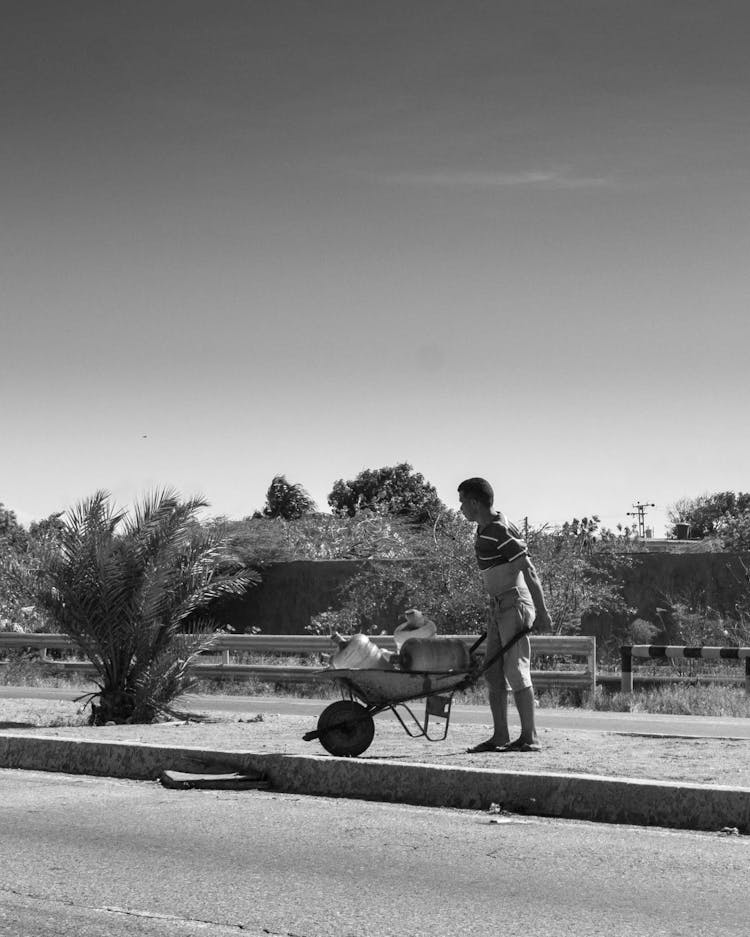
167, 675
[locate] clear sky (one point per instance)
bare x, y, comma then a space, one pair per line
249, 237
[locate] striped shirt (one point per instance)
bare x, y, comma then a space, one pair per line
497, 543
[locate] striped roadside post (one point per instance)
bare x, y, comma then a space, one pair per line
628, 652
626, 668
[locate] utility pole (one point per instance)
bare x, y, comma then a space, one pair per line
640, 513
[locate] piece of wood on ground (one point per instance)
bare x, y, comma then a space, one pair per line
234, 781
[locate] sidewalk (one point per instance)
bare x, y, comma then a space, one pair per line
567, 751
698, 783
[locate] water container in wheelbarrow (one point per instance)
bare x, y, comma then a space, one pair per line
359, 652
438, 655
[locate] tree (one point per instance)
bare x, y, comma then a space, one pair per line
704, 513
132, 592
395, 489
438, 574
10, 530
733, 531
435, 572
7, 520
286, 500
24, 557
580, 569
21, 557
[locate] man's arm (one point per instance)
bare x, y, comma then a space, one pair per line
542, 621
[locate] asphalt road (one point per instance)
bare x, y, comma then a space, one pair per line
637, 723
83, 857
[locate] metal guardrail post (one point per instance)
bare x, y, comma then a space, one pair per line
626, 667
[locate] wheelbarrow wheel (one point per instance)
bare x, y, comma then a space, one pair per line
346, 728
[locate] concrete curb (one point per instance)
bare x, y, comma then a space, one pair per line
571, 796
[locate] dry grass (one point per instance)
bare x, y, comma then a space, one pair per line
687, 700
27, 713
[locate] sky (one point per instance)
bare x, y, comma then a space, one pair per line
243, 238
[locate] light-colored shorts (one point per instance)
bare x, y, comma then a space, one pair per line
509, 613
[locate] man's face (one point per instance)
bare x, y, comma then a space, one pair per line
469, 506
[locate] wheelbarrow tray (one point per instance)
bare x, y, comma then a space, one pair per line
386, 687
347, 727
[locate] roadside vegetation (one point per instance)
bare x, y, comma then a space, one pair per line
139, 592
686, 700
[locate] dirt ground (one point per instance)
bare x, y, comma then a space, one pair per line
688, 760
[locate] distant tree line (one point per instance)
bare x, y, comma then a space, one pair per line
393, 489
722, 517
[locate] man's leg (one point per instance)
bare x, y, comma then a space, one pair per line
518, 671
526, 713
495, 678
498, 695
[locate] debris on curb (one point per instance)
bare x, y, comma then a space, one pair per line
235, 781
498, 813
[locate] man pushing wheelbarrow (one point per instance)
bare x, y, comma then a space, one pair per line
435, 669
516, 603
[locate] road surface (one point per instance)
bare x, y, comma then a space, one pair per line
83, 857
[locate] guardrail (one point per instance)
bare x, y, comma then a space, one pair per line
660, 651
229, 645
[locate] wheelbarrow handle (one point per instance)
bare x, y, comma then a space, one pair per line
501, 651
480, 640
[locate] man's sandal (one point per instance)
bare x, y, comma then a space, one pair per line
520, 746
488, 746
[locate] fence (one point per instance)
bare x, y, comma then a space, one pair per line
657, 651
229, 645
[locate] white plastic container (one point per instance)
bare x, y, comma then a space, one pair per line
359, 653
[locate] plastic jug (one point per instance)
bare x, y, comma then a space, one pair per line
415, 626
360, 653
438, 655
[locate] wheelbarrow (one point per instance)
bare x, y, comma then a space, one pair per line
346, 728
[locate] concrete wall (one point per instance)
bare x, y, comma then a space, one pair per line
655, 581
291, 593
656, 578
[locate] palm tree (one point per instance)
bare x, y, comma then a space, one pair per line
286, 500
132, 592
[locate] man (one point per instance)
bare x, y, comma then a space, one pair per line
516, 602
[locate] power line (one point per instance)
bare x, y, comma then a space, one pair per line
640, 513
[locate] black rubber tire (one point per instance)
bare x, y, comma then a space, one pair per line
346, 729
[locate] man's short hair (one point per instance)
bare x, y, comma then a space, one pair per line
479, 489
